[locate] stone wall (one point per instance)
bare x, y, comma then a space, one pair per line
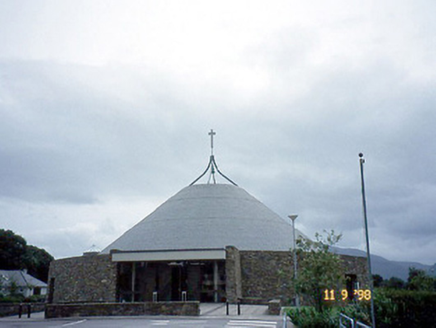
233, 274
191, 308
266, 275
274, 307
122, 309
253, 276
358, 266
89, 278
7, 309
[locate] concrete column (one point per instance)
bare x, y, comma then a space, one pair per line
215, 281
133, 280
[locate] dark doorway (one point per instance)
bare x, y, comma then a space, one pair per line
351, 280
171, 281
176, 278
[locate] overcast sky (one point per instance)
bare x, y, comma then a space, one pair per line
106, 105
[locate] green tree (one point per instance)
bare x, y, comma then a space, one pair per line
12, 250
319, 269
419, 280
38, 262
377, 280
15, 254
394, 283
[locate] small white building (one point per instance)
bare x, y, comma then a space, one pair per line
23, 282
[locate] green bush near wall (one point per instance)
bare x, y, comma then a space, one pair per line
309, 317
405, 308
394, 309
22, 299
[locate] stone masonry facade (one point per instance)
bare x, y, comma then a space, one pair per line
261, 276
251, 276
267, 275
258, 276
91, 278
233, 274
357, 266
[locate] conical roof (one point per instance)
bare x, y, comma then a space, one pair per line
208, 216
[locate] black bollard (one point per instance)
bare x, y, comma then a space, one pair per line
20, 310
239, 307
29, 310
227, 307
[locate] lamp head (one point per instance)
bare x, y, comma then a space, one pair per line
293, 217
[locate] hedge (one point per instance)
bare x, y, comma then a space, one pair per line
405, 308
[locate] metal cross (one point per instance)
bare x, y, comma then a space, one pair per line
211, 133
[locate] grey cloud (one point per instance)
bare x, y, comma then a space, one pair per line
80, 134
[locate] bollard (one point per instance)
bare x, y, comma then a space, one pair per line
239, 307
285, 321
227, 307
20, 310
29, 310
184, 296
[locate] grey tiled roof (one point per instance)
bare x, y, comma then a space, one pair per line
20, 278
206, 216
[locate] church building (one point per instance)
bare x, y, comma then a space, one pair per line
210, 242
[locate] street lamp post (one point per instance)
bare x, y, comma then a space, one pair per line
293, 217
362, 161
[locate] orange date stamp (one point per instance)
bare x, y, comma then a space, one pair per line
332, 295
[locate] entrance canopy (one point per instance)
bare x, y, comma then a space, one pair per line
169, 255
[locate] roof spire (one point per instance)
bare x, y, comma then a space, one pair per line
211, 133
212, 165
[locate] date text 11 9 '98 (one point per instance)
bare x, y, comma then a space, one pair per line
361, 294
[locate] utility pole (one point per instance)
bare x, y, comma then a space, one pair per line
297, 297
368, 254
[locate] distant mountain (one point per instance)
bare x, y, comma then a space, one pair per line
386, 268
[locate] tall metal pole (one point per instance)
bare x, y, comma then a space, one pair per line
368, 254
297, 297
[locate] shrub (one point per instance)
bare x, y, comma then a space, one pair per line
21, 299
394, 309
358, 311
12, 299
405, 308
309, 317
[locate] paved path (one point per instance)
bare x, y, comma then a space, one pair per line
141, 322
211, 316
247, 311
